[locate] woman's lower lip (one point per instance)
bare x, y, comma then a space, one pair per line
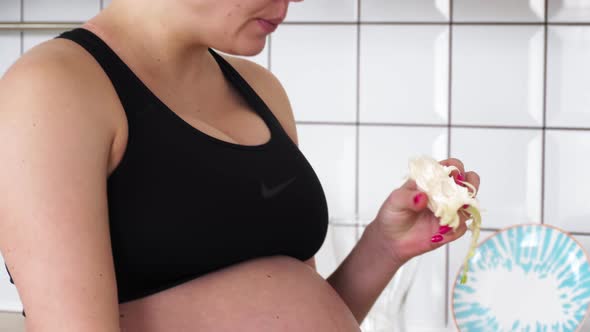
266, 25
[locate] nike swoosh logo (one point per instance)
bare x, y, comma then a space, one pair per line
270, 192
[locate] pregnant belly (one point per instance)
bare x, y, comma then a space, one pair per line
268, 294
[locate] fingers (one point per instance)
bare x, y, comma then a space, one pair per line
460, 175
410, 184
454, 162
404, 198
472, 178
446, 234
453, 235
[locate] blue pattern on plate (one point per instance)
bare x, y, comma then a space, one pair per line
535, 249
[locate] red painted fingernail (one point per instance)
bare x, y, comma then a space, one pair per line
418, 198
465, 206
437, 238
460, 177
444, 229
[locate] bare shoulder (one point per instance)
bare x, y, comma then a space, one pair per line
60, 79
57, 61
270, 89
56, 70
56, 143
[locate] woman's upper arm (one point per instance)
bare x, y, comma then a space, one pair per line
54, 233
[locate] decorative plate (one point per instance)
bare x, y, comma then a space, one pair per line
532, 277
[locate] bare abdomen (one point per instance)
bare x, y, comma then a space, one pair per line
268, 294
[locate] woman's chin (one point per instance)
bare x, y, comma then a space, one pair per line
249, 47
252, 52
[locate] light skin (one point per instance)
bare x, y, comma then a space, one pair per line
58, 156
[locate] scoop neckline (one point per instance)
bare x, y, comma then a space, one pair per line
235, 86
179, 120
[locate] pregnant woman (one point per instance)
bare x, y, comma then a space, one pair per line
149, 183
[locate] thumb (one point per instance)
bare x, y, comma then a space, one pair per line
407, 199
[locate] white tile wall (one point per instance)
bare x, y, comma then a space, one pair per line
317, 65
338, 243
36, 37
405, 11
404, 74
60, 10
9, 299
383, 156
331, 151
497, 75
323, 11
10, 11
10, 49
496, 80
509, 164
422, 282
567, 180
569, 11
568, 76
499, 10
425, 306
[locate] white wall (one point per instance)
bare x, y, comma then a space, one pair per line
503, 85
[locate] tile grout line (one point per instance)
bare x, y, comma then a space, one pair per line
449, 118
357, 119
341, 224
22, 33
483, 229
441, 23
544, 132
427, 125
73, 24
269, 51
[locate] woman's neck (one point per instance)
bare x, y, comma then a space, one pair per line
161, 50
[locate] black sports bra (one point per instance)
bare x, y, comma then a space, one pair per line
183, 203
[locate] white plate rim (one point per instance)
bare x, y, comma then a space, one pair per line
566, 233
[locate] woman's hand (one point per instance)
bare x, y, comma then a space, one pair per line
407, 228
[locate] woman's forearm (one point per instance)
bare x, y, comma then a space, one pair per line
364, 273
